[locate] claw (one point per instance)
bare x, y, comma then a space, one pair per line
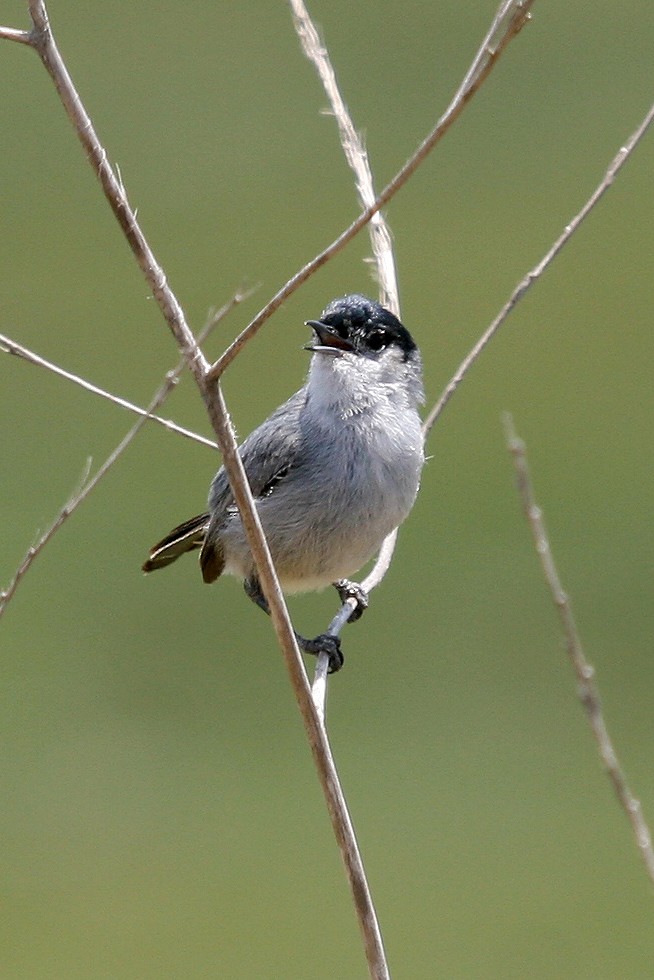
328, 644
352, 590
325, 643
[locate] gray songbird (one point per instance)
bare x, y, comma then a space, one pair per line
333, 470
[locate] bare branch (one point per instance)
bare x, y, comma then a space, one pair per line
380, 239
216, 316
525, 284
585, 673
355, 154
43, 42
509, 20
87, 486
314, 726
7, 594
382, 247
12, 34
12, 347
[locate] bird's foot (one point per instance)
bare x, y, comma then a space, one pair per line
327, 644
352, 590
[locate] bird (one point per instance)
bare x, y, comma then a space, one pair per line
333, 470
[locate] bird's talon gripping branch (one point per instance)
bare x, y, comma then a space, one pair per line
352, 590
327, 644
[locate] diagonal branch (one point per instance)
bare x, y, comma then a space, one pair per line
87, 486
42, 40
382, 246
12, 347
585, 673
507, 24
355, 154
525, 284
12, 34
6, 595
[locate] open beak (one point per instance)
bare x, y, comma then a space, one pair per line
329, 341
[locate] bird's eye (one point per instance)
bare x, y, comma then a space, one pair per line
377, 340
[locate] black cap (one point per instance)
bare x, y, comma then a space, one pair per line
357, 323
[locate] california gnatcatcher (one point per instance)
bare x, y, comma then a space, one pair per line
333, 471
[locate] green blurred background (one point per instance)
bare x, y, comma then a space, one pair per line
161, 816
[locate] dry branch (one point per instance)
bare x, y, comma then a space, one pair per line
527, 282
507, 24
585, 673
13, 347
87, 486
355, 154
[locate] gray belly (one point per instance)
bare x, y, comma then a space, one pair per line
325, 524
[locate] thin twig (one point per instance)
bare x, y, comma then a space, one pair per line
355, 154
12, 347
381, 241
585, 673
87, 486
317, 735
216, 316
7, 594
612, 171
12, 34
509, 20
42, 40
382, 247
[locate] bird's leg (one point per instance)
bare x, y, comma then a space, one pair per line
253, 591
325, 643
352, 590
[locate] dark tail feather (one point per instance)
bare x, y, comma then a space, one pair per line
187, 537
